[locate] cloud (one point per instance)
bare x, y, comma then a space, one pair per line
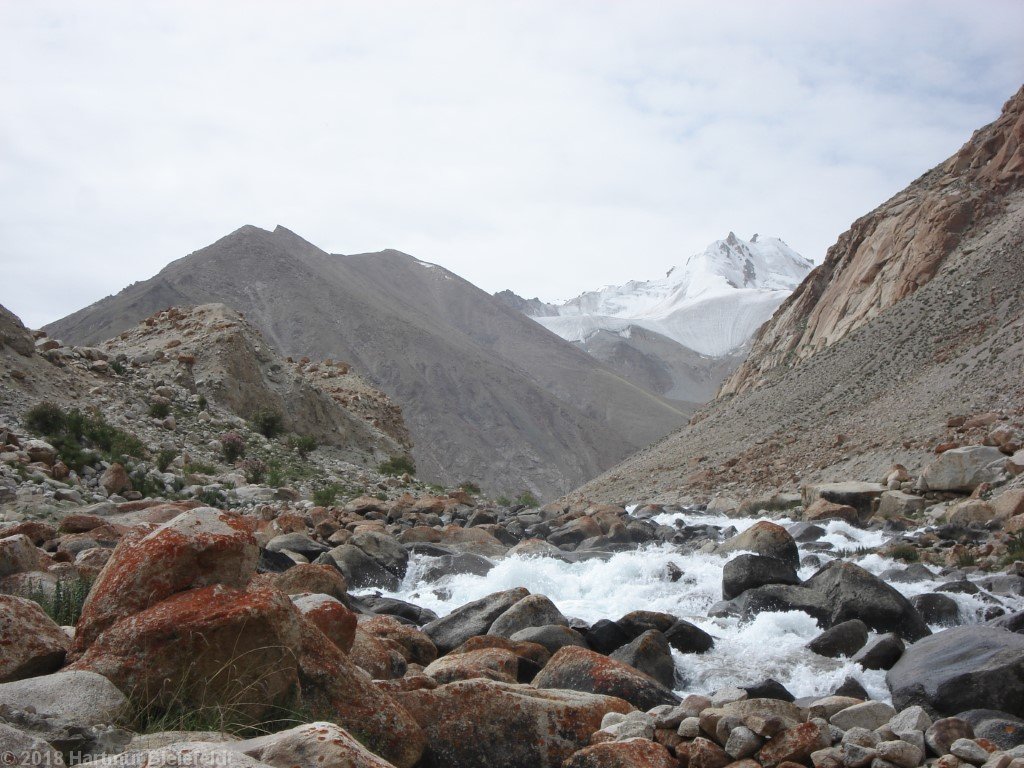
549, 147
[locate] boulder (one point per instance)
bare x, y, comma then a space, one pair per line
471, 619
77, 697
854, 593
334, 689
305, 746
380, 659
552, 637
893, 504
580, 669
361, 570
1004, 730
17, 555
115, 479
531, 611
783, 597
860, 496
413, 644
629, 753
745, 572
881, 653
937, 608
198, 548
970, 512
490, 663
764, 538
384, 549
651, 654
963, 469
212, 645
315, 578
964, 668
868, 715
31, 643
943, 733
486, 723
688, 638
21, 749
605, 635
794, 744
843, 639
330, 616
822, 511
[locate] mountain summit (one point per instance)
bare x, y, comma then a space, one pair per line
711, 304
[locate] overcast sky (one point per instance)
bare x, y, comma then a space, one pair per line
547, 147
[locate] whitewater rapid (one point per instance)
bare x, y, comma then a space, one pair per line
772, 645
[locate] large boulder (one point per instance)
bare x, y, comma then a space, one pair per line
860, 496
330, 615
486, 723
471, 619
970, 667
579, 669
305, 746
361, 570
651, 654
335, 689
531, 611
314, 578
198, 548
490, 663
854, 593
77, 697
21, 749
764, 538
628, 753
18, 554
384, 549
963, 469
211, 646
31, 643
745, 572
413, 644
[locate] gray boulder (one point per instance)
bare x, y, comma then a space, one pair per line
531, 611
963, 469
652, 655
748, 571
475, 618
959, 669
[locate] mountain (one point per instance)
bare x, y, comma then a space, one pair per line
683, 334
487, 394
913, 321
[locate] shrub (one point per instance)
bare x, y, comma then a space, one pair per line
527, 499
64, 606
908, 553
268, 423
324, 497
159, 410
302, 444
202, 402
503, 501
233, 446
397, 465
469, 486
117, 367
165, 458
254, 470
45, 419
200, 468
211, 497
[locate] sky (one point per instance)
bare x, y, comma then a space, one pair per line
547, 147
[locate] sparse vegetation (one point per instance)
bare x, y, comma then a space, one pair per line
469, 487
907, 553
302, 444
64, 606
254, 470
527, 499
165, 458
232, 446
325, 496
397, 465
159, 410
268, 422
76, 434
200, 468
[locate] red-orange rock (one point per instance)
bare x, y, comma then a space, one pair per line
704, 753
490, 663
793, 744
334, 689
630, 753
330, 616
211, 645
380, 659
315, 578
30, 642
197, 548
580, 669
415, 646
485, 723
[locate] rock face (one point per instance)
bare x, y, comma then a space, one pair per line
550, 416
917, 293
201, 547
971, 667
477, 723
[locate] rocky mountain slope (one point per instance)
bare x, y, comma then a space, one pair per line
914, 318
682, 334
487, 394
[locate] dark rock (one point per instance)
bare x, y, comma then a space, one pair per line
651, 654
391, 606
531, 611
937, 608
881, 653
854, 593
1011, 621
689, 638
579, 669
942, 733
552, 636
783, 597
384, 549
769, 689
1002, 729
636, 623
851, 687
361, 570
297, 542
455, 564
844, 639
805, 532
471, 619
273, 562
604, 636
748, 571
764, 538
963, 668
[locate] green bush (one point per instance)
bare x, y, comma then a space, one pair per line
254, 470
159, 410
527, 499
45, 419
302, 444
165, 458
73, 432
268, 423
202, 402
469, 486
397, 465
503, 501
64, 606
200, 468
325, 496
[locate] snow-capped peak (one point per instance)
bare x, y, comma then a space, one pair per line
712, 303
